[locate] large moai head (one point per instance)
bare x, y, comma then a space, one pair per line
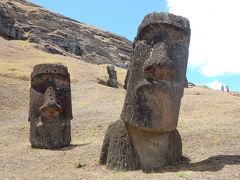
50, 107
157, 73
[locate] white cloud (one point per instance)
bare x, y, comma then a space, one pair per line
216, 85
215, 34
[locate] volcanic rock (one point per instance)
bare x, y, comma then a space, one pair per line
54, 33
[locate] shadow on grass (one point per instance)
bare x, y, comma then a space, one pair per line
215, 163
71, 146
104, 82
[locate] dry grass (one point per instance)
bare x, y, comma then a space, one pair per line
209, 125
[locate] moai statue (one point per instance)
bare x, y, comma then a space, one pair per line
50, 107
112, 81
146, 136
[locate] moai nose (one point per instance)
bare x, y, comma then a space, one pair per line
159, 66
50, 108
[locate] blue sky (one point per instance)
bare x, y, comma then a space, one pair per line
213, 58
121, 17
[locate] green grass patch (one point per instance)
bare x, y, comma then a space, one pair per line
181, 174
79, 165
12, 69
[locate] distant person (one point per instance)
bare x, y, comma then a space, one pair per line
227, 88
222, 88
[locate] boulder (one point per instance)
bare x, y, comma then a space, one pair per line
22, 20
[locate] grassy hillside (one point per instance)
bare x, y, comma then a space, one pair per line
209, 124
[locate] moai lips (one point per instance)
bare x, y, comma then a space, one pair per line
157, 75
50, 106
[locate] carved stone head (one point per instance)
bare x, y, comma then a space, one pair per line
111, 71
112, 74
50, 107
157, 73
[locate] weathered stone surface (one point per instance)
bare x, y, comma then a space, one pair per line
55, 33
157, 75
50, 107
186, 83
117, 150
112, 76
126, 80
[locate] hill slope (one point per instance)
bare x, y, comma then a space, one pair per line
209, 124
57, 34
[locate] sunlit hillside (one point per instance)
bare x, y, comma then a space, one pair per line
209, 124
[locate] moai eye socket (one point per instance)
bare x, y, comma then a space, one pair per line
60, 80
45, 75
42, 81
150, 35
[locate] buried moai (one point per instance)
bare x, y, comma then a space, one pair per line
50, 107
112, 76
146, 136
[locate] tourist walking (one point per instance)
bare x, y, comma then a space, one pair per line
222, 88
227, 88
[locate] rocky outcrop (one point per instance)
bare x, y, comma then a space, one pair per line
57, 34
146, 136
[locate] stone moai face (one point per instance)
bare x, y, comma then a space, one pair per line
157, 73
50, 107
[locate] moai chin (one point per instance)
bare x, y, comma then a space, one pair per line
50, 107
112, 81
149, 139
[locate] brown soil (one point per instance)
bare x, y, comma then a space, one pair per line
209, 125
